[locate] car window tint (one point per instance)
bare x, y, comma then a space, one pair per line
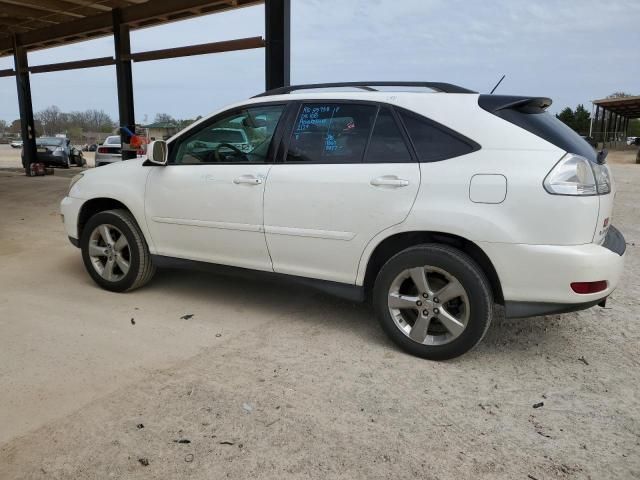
243, 136
331, 133
387, 144
434, 142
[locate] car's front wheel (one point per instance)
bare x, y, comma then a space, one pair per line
434, 301
115, 252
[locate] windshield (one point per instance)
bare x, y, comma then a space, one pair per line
112, 141
50, 141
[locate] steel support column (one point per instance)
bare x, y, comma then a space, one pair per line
604, 114
27, 127
277, 15
626, 128
124, 78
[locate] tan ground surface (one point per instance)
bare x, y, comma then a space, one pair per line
268, 381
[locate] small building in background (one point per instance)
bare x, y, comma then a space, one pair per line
161, 130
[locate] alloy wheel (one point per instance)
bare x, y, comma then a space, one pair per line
109, 252
429, 305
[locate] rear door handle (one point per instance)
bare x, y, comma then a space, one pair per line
389, 181
248, 179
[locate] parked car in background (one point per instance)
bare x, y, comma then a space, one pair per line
220, 140
109, 151
432, 206
16, 144
52, 151
633, 140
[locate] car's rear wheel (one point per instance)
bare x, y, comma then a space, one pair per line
115, 252
433, 301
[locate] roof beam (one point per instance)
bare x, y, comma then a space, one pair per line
90, 4
201, 49
55, 6
137, 16
58, 67
37, 13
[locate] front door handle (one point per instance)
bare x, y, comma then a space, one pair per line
248, 179
389, 181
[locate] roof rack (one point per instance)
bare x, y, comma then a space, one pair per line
438, 86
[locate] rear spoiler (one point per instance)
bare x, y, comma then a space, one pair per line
495, 103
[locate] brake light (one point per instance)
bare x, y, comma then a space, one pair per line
103, 150
589, 287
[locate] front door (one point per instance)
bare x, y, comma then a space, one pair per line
206, 204
347, 176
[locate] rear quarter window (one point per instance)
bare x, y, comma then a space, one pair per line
434, 142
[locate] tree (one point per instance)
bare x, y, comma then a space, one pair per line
567, 117
581, 120
3, 127
52, 120
15, 126
164, 118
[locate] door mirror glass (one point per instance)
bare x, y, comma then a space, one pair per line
157, 152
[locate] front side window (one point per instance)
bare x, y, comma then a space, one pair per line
243, 136
331, 133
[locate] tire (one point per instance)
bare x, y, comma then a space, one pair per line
114, 276
441, 330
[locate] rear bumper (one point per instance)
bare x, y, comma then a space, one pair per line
105, 159
536, 279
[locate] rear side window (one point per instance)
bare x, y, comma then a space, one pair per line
387, 144
434, 142
331, 133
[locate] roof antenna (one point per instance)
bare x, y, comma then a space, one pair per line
499, 82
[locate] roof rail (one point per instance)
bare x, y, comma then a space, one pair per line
438, 86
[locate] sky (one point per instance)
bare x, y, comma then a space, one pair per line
573, 51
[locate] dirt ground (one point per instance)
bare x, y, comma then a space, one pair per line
275, 382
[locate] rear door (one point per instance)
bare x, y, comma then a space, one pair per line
345, 174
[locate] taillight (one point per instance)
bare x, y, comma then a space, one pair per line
575, 175
103, 150
589, 287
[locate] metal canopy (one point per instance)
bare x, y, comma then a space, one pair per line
27, 25
48, 23
611, 120
626, 107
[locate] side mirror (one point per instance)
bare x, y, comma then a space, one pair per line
157, 152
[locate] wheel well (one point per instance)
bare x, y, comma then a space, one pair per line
93, 206
396, 243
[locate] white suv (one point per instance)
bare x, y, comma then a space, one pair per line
434, 206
